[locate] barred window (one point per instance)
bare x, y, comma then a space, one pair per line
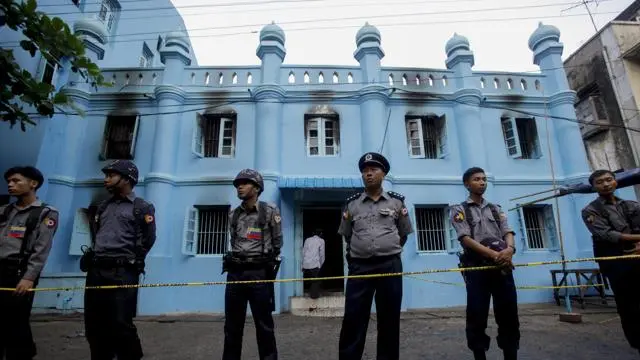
537, 227
214, 136
433, 230
426, 137
206, 230
521, 138
120, 135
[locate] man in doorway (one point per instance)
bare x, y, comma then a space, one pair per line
487, 240
615, 227
27, 227
312, 261
375, 224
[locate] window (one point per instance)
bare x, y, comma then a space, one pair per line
521, 138
120, 137
537, 227
434, 232
214, 136
81, 232
591, 109
322, 136
47, 71
426, 137
107, 13
206, 230
146, 59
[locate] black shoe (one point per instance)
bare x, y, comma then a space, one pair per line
510, 354
480, 355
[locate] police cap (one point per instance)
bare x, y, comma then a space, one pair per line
374, 159
27, 171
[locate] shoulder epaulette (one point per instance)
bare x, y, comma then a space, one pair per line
352, 197
395, 195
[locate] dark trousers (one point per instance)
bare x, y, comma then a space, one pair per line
359, 297
314, 285
623, 276
258, 296
109, 313
481, 286
16, 340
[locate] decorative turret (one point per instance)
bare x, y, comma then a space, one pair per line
175, 54
547, 53
272, 52
460, 59
93, 35
369, 53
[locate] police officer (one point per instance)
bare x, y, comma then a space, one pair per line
615, 227
256, 240
123, 231
375, 225
487, 239
27, 227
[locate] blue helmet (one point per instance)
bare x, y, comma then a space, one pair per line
125, 168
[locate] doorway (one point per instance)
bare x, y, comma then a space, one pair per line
328, 219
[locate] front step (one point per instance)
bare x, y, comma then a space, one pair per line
325, 306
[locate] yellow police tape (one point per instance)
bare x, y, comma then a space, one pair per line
365, 276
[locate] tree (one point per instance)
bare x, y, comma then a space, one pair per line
55, 41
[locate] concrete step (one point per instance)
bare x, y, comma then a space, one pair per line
325, 306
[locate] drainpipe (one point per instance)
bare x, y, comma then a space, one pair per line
634, 150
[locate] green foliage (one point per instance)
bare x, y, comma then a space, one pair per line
53, 38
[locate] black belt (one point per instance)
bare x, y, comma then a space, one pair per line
112, 261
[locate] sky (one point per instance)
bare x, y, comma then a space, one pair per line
414, 32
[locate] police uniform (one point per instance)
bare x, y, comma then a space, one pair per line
255, 250
124, 232
17, 263
375, 232
489, 226
606, 221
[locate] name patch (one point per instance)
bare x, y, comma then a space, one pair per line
16, 232
254, 233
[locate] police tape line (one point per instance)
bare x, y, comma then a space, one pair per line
364, 276
528, 287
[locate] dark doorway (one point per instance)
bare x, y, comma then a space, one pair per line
327, 219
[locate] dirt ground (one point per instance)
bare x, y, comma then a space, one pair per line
433, 334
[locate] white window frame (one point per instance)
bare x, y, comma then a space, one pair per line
441, 126
42, 66
133, 137
81, 234
107, 13
509, 124
197, 141
451, 240
191, 232
321, 138
550, 237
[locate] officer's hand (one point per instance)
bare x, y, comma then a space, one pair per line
635, 250
505, 255
23, 286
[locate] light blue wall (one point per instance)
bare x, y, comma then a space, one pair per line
270, 137
135, 24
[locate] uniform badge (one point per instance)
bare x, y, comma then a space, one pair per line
148, 219
49, 222
345, 215
254, 233
16, 232
459, 217
591, 219
405, 211
368, 157
277, 219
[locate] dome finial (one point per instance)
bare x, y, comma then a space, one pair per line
272, 32
368, 33
457, 42
543, 33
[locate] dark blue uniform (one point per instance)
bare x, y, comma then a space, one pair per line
489, 224
606, 222
375, 231
124, 234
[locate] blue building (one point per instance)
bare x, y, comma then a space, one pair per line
190, 130
122, 35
